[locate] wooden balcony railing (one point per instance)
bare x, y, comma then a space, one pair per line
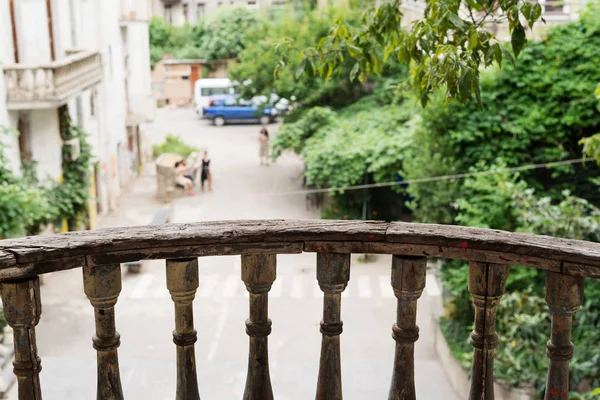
51, 85
100, 252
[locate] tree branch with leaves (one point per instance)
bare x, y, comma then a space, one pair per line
445, 48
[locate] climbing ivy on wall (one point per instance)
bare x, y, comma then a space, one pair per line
26, 204
72, 193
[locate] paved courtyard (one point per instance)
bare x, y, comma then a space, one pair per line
242, 189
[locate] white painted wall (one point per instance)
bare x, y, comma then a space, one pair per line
46, 144
32, 31
6, 40
139, 80
8, 143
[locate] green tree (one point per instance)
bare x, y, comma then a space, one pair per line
446, 47
260, 71
221, 35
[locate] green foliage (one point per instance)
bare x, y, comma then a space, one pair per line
445, 48
26, 204
221, 35
487, 199
339, 149
173, 144
72, 193
535, 112
261, 69
572, 217
168, 39
218, 36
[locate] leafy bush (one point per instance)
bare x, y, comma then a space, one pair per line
173, 144
26, 204
221, 34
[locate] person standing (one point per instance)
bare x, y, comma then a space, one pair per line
263, 139
205, 173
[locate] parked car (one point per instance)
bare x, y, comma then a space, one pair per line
205, 88
226, 108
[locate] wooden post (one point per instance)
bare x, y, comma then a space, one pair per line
258, 273
333, 273
408, 281
182, 282
487, 283
564, 295
102, 285
22, 310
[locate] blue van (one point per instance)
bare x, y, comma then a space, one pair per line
227, 108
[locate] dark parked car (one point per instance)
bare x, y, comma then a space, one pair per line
226, 108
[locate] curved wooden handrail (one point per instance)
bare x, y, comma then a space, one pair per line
36, 255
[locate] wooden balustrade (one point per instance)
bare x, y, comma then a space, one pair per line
102, 285
258, 273
100, 253
408, 281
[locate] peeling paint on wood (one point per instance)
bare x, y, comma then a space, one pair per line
564, 295
22, 310
182, 282
102, 285
258, 273
408, 282
333, 273
487, 283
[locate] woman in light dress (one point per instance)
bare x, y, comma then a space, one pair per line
263, 139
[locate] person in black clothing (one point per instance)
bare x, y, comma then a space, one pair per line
205, 173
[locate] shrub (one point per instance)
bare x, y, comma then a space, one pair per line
173, 144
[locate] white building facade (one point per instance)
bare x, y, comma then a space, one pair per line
180, 12
92, 55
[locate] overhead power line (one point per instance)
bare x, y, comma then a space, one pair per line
433, 178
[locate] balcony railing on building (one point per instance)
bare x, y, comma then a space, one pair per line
99, 254
51, 85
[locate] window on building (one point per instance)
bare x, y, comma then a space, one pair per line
93, 103
186, 15
25, 149
553, 6
219, 4
169, 14
252, 4
200, 10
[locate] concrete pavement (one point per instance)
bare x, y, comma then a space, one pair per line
242, 189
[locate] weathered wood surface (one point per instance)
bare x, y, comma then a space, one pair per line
487, 283
564, 295
22, 310
333, 273
102, 285
182, 282
408, 282
258, 273
47, 253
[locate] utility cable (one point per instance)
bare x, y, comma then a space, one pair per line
433, 178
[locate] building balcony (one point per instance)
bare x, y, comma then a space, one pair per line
51, 85
99, 254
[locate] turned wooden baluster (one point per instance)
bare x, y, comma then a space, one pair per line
22, 310
182, 282
258, 273
408, 281
564, 295
487, 283
102, 285
333, 273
